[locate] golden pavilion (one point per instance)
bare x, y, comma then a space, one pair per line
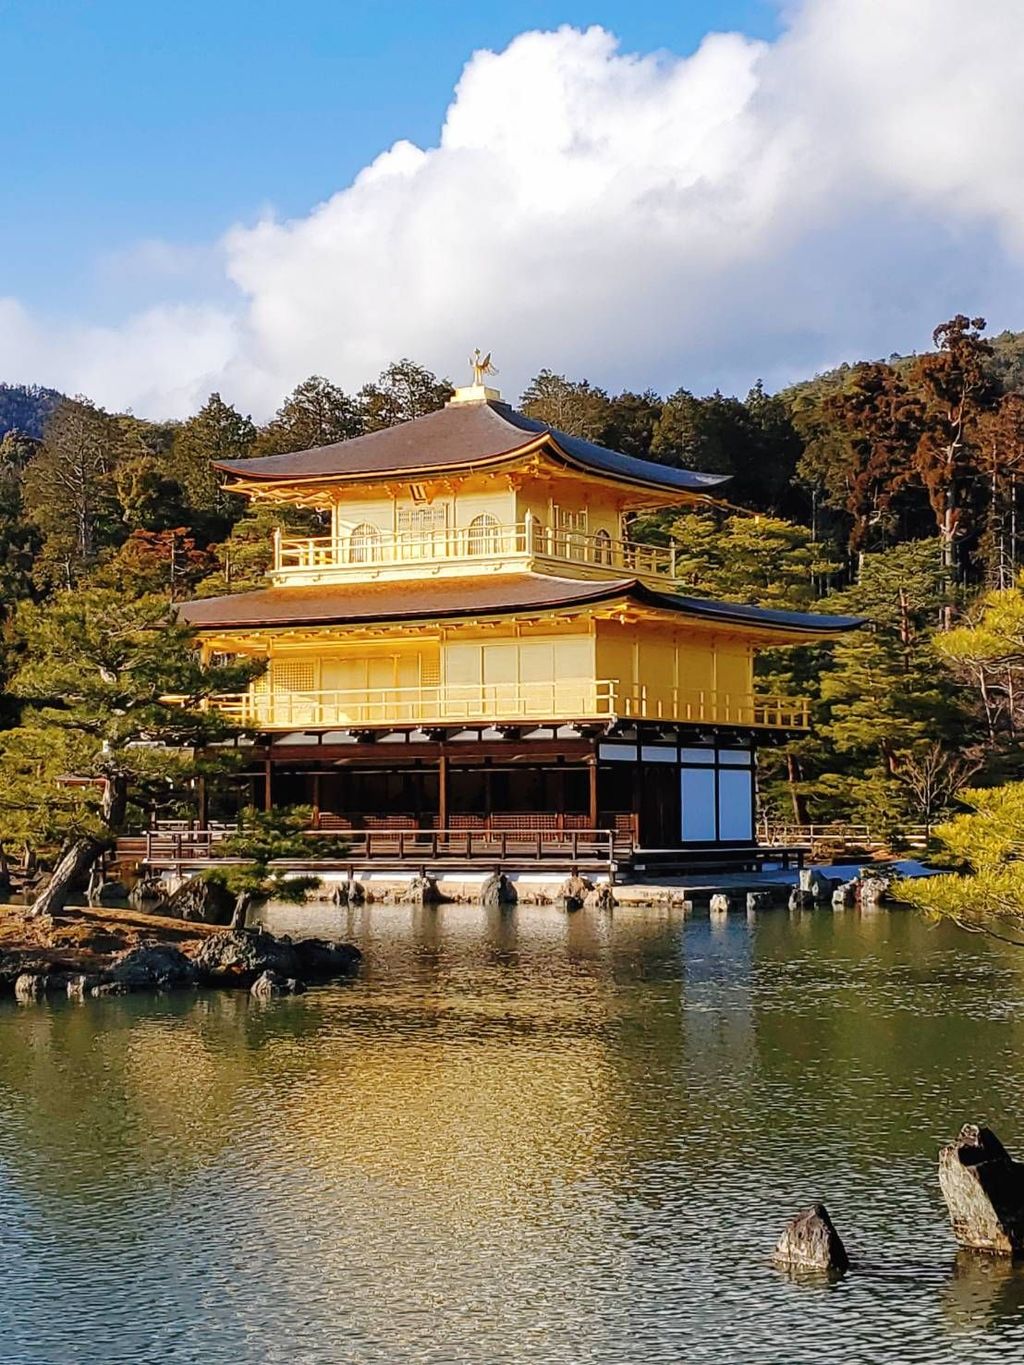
477, 648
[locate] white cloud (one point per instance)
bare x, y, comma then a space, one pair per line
752, 209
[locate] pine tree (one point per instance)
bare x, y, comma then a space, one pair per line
403, 391
100, 736
569, 405
217, 432
316, 413
69, 490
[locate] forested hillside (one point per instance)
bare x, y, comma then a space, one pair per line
889, 488
26, 408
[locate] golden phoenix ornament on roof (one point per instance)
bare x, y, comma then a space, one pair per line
481, 366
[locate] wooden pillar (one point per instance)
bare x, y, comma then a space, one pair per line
316, 800
201, 801
442, 790
268, 786
592, 811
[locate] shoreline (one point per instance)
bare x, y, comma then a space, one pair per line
94, 951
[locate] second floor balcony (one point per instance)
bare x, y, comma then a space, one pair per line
485, 545
564, 700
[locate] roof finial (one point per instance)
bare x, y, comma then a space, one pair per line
481, 366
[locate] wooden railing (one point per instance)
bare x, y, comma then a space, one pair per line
840, 838
566, 699
359, 554
170, 847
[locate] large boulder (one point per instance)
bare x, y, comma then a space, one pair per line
498, 892
984, 1192
810, 1242
152, 966
799, 899
204, 900
238, 956
720, 903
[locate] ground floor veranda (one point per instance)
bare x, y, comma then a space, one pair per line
488, 794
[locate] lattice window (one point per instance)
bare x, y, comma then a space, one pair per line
423, 520
294, 675
430, 672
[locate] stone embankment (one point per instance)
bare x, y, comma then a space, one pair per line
96, 953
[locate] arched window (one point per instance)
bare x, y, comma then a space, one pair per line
483, 535
364, 544
602, 547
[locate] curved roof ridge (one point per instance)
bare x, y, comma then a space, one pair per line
461, 435
440, 599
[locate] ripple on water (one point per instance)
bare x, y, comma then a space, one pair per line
517, 1137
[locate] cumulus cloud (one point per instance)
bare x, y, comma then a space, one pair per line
752, 209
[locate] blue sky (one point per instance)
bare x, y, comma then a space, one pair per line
136, 119
232, 196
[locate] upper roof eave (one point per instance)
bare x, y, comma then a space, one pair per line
488, 435
281, 607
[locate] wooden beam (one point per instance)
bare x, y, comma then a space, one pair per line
442, 789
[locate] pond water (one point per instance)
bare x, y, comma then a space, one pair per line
519, 1137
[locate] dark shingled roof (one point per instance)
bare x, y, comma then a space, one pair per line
446, 598
459, 436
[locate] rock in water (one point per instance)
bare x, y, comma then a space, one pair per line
321, 960
30, 986
153, 966
498, 891
984, 1192
238, 956
800, 899
271, 984
759, 900
423, 890
873, 889
720, 904
810, 1242
573, 892
815, 881
601, 898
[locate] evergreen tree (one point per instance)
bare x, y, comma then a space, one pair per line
630, 423
317, 413
572, 406
217, 432
19, 539
761, 560
403, 391
958, 389
883, 696
69, 490
100, 736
